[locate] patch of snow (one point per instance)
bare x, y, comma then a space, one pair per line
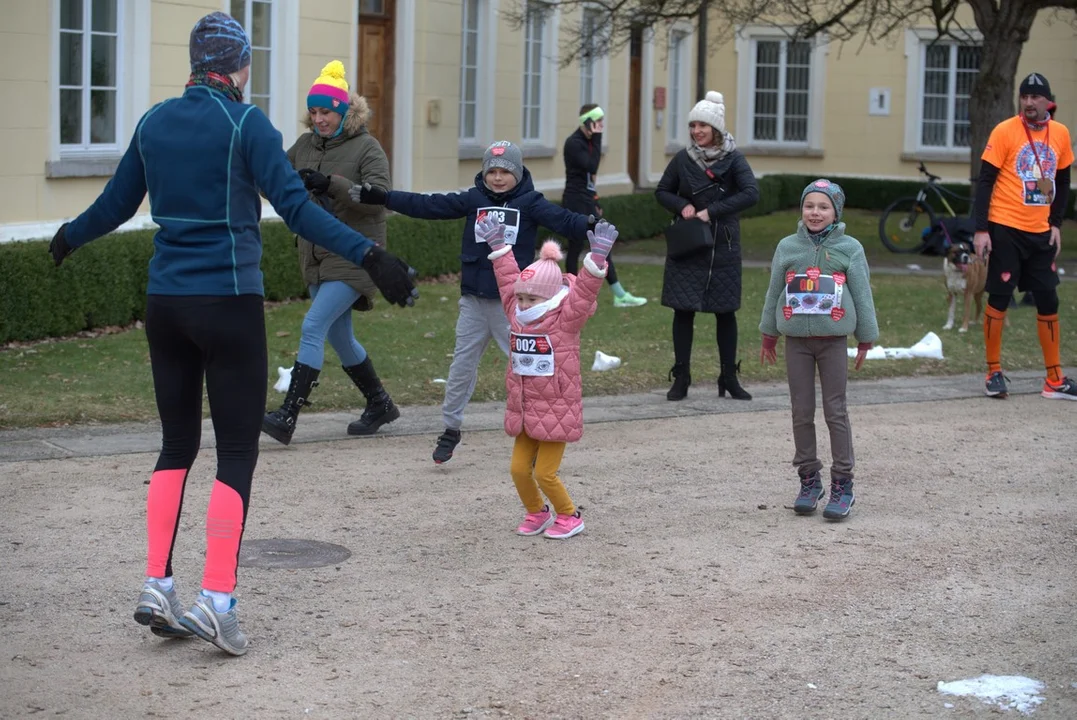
284, 380
1009, 692
930, 346
605, 362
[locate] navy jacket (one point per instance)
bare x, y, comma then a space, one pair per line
203, 157
477, 272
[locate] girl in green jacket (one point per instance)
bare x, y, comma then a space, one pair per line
819, 293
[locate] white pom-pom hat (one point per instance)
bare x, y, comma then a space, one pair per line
711, 110
543, 277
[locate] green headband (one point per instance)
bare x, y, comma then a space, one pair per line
595, 114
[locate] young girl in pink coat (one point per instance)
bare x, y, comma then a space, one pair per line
544, 411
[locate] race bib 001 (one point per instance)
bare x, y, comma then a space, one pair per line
509, 217
812, 293
531, 355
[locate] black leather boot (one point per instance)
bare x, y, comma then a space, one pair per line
380, 408
280, 424
681, 376
728, 381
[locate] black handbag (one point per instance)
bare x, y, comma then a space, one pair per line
685, 237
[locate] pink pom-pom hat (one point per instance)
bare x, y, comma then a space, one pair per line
543, 277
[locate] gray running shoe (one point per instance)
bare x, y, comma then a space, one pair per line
219, 628
160, 609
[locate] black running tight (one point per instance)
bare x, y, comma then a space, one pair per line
221, 339
1046, 301
683, 330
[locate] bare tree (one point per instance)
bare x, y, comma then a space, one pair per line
1002, 26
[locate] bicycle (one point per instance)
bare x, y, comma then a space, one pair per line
906, 222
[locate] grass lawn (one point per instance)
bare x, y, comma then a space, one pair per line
759, 235
107, 378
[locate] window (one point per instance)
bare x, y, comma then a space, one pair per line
534, 62
949, 73
782, 92
588, 28
469, 73
89, 68
678, 100
257, 19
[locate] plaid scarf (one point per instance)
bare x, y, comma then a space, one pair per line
222, 83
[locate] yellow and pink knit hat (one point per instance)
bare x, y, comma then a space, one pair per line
330, 90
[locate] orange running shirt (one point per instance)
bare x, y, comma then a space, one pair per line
1016, 201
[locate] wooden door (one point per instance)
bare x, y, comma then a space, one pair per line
376, 70
635, 100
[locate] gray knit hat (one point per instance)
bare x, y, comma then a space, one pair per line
832, 190
219, 44
503, 154
710, 110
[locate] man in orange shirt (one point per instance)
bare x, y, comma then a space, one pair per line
1023, 188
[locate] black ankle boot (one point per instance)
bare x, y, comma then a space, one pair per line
280, 424
380, 408
728, 381
681, 376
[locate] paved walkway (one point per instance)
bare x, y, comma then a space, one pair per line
103, 440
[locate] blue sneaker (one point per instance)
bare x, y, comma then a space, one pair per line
811, 492
841, 500
996, 387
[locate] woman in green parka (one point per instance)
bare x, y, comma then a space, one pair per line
336, 154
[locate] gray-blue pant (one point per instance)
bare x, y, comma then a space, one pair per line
480, 320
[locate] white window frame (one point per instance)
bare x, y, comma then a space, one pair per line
542, 142
285, 105
747, 39
274, 97
472, 148
470, 98
680, 87
133, 33
916, 43
598, 68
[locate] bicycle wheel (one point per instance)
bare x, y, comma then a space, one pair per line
905, 223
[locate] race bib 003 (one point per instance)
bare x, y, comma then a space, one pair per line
531, 355
509, 217
812, 293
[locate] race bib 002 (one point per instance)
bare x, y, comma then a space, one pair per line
812, 293
531, 354
509, 217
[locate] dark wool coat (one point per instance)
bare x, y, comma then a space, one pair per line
708, 280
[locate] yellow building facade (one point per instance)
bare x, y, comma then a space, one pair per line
447, 77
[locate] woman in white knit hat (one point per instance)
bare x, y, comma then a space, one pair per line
711, 182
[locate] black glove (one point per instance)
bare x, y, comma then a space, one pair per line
315, 182
59, 247
391, 275
367, 194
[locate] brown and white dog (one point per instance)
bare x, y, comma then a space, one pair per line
966, 275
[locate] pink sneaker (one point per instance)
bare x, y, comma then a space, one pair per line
565, 526
535, 523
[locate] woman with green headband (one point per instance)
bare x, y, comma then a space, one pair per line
583, 153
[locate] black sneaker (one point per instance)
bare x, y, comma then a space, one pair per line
841, 500
1065, 390
447, 442
996, 386
811, 492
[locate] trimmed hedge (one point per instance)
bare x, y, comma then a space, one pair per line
104, 283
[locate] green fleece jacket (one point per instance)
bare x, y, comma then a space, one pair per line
836, 301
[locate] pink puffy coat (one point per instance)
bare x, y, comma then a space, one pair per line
549, 408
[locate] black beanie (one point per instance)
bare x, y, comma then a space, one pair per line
1036, 84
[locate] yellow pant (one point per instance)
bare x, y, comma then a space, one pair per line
534, 465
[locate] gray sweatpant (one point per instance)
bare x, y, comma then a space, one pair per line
802, 356
480, 320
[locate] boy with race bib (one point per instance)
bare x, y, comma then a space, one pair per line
544, 409
503, 189
819, 293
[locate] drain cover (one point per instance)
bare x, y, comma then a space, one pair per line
289, 553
